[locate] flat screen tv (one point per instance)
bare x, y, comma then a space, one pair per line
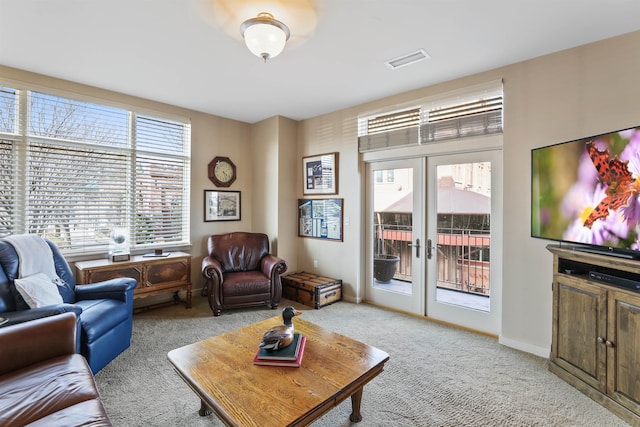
587, 193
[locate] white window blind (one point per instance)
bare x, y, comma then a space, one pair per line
398, 128
74, 170
8, 165
462, 119
161, 202
397, 120
451, 116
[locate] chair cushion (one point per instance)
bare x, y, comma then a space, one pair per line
38, 290
90, 413
100, 316
239, 251
42, 389
245, 283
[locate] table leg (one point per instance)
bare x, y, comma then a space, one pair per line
187, 302
189, 292
204, 409
356, 400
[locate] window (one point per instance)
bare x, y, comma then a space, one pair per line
472, 112
73, 170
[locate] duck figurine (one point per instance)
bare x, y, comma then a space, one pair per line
281, 336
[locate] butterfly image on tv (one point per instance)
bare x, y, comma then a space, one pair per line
615, 174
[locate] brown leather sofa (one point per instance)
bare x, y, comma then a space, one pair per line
43, 382
240, 271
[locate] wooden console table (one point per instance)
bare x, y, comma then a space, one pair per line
155, 275
596, 329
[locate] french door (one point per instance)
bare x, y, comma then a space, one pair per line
395, 235
433, 234
464, 231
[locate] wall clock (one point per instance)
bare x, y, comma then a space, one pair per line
222, 171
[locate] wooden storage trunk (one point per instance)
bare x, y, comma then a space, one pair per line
311, 290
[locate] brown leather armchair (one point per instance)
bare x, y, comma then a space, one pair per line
42, 379
240, 272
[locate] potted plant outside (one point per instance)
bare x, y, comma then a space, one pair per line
384, 265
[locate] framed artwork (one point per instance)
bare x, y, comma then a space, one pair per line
320, 218
320, 174
221, 205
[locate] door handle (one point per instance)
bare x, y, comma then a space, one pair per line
429, 249
417, 246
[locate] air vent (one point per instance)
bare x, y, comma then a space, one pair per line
408, 59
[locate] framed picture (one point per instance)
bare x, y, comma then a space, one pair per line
320, 218
221, 205
320, 174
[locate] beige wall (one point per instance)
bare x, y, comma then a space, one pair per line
273, 144
572, 94
335, 132
213, 136
264, 144
568, 95
287, 231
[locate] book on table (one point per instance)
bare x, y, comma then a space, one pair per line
289, 352
292, 357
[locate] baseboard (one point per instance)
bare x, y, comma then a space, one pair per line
355, 300
527, 348
518, 345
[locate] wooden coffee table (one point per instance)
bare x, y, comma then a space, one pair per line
221, 372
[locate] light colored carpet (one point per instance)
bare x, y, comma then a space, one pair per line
436, 375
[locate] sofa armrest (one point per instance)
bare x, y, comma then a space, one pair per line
272, 265
21, 316
120, 289
31, 342
211, 269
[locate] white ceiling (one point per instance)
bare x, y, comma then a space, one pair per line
189, 53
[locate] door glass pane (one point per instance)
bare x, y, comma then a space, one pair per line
392, 230
464, 234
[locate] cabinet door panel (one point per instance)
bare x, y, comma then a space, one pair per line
624, 355
168, 272
581, 320
131, 271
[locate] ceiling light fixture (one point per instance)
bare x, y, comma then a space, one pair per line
264, 36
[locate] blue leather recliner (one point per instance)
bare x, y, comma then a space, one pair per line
104, 310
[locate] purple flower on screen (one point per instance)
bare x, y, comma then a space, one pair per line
631, 154
587, 174
631, 212
572, 204
629, 133
602, 232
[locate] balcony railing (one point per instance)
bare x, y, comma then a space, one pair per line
462, 256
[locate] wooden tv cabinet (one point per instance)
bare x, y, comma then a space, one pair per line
154, 275
596, 329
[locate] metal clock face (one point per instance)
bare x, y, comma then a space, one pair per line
222, 171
